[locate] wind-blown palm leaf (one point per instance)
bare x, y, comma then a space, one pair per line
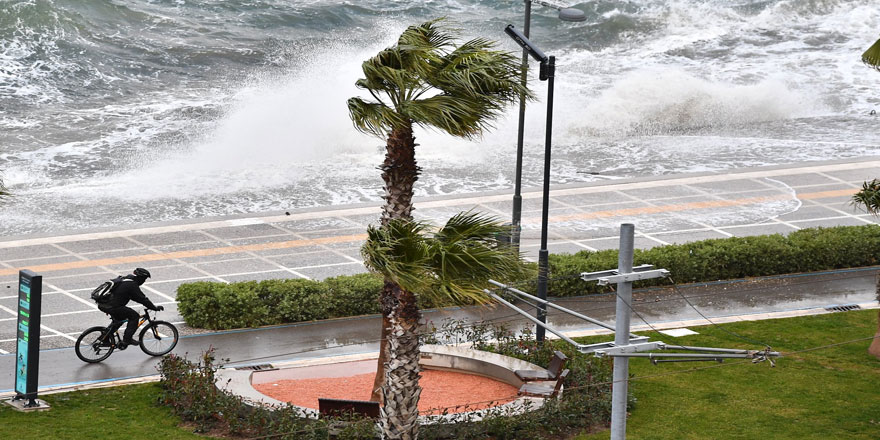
397, 251
458, 116
868, 197
871, 56
372, 117
454, 262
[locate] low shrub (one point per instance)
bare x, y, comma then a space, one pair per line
189, 390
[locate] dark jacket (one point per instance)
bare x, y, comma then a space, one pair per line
128, 288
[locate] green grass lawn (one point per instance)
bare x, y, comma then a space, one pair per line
832, 393
127, 412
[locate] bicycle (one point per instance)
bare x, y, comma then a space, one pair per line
98, 343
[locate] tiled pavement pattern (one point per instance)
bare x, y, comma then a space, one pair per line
323, 243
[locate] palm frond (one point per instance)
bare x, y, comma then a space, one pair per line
871, 56
868, 197
3, 191
398, 251
373, 118
459, 116
454, 262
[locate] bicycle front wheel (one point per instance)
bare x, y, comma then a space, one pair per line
158, 338
91, 348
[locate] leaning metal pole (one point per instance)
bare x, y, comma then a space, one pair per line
621, 333
547, 72
516, 221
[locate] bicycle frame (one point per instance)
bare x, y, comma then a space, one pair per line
113, 328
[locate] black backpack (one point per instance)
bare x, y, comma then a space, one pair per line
103, 294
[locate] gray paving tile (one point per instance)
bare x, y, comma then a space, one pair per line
764, 229
172, 273
172, 238
843, 221
730, 186
291, 251
334, 233
126, 268
30, 262
614, 243
564, 248
329, 222
320, 273
687, 237
807, 212
683, 201
28, 252
77, 283
114, 253
856, 176
663, 192
60, 303
257, 242
595, 198
245, 231
230, 267
104, 244
274, 275
810, 179
309, 259
218, 257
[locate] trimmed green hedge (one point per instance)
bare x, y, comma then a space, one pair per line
806, 250
217, 306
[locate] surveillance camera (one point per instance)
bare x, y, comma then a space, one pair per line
525, 43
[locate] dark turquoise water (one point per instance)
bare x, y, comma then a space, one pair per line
122, 112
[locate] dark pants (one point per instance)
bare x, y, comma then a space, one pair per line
120, 313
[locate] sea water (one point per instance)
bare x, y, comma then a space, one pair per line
121, 112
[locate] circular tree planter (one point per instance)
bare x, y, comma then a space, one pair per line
242, 381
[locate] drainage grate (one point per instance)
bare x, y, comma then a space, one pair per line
843, 308
261, 367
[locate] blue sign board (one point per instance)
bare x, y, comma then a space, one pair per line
27, 353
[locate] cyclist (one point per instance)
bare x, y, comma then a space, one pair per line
127, 288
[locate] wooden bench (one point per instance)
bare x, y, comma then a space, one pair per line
552, 372
543, 389
347, 408
342, 407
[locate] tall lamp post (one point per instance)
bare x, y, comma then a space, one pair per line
547, 73
565, 14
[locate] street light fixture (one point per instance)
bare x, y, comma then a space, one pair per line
547, 73
565, 14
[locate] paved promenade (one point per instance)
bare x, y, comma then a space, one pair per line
320, 243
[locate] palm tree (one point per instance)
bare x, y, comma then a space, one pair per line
425, 80
3, 191
871, 56
869, 199
453, 262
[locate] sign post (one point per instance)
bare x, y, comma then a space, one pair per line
27, 353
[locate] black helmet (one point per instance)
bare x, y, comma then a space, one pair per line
141, 272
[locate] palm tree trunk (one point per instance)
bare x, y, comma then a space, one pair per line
400, 173
400, 414
874, 348
386, 305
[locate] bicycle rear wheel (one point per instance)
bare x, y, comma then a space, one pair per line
158, 338
91, 348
